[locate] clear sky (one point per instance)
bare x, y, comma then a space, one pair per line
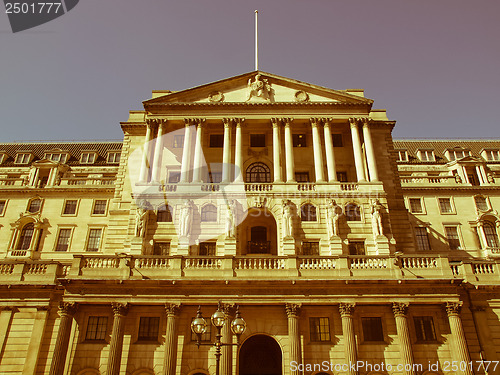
433, 64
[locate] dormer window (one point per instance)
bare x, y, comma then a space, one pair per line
491, 155
57, 157
114, 157
426, 155
3, 157
88, 158
23, 158
402, 155
457, 154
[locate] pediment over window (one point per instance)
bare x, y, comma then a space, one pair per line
467, 160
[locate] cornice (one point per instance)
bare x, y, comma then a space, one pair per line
257, 104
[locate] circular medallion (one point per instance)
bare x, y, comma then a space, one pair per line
301, 96
215, 97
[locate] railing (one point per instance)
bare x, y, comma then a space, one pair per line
78, 181
318, 263
258, 247
348, 186
368, 263
433, 180
258, 187
419, 262
203, 263
210, 187
245, 263
306, 187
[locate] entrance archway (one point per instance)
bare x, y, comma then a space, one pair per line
260, 355
258, 234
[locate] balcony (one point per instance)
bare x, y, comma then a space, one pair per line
258, 247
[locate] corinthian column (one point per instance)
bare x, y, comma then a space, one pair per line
457, 332
186, 151
290, 165
318, 157
293, 312
198, 151
227, 337
143, 175
370, 152
346, 310
238, 157
226, 153
276, 150
330, 155
120, 311
66, 312
172, 311
358, 153
158, 149
400, 310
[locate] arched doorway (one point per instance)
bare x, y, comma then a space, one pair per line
258, 233
260, 355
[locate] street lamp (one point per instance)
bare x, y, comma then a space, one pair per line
219, 318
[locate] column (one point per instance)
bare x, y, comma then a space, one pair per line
358, 154
6, 314
370, 152
330, 155
120, 311
36, 236
482, 235
170, 363
66, 312
290, 165
238, 158
186, 151
484, 335
158, 151
226, 363
457, 332
400, 310
35, 344
226, 153
198, 151
318, 156
143, 175
293, 312
346, 311
276, 150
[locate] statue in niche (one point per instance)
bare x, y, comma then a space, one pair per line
334, 212
458, 179
490, 178
230, 221
287, 219
141, 222
260, 88
377, 218
185, 219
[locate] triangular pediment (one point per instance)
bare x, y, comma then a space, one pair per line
259, 87
467, 160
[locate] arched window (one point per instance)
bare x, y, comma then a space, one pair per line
352, 212
258, 172
209, 213
26, 236
35, 205
308, 212
491, 234
164, 215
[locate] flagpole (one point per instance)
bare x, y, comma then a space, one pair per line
256, 40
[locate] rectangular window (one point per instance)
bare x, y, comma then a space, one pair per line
337, 140
216, 140
114, 157
356, 248
416, 205
402, 155
481, 203
445, 205
207, 248
99, 207
2, 157
22, 158
299, 140
453, 238
94, 239
424, 328
96, 328
174, 177
257, 140
148, 328
372, 329
492, 155
161, 248
70, 207
422, 239
207, 336
342, 176
3, 203
310, 248
319, 329
302, 176
178, 141
87, 158
63, 240
427, 155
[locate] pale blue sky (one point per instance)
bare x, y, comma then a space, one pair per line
433, 64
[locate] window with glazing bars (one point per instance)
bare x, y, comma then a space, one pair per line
319, 329
94, 239
63, 239
416, 205
422, 237
372, 329
445, 205
96, 328
148, 328
310, 248
70, 207
424, 328
452, 237
99, 207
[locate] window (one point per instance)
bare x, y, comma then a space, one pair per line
402, 155
23, 158
161, 248
302, 176
299, 140
178, 141
114, 157
26, 236
457, 154
96, 328
62, 243
257, 140
164, 215
56, 157
337, 140
99, 207
94, 239
481, 203
492, 155
491, 234
215, 177
3, 156
352, 212
3, 204
422, 239
209, 213
174, 177
342, 176
372, 329
308, 212
34, 205
88, 158
207, 248
319, 329
445, 205
258, 172
216, 140
148, 328
424, 328
310, 248
426, 155
206, 336
356, 248
416, 205
70, 207
453, 238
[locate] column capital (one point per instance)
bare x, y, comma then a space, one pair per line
227, 122
453, 308
67, 308
155, 121
238, 121
315, 121
327, 122
120, 308
366, 122
293, 310
353, 121
400, 309
191, 121
172, 309
275, 122
287, 121
346, 309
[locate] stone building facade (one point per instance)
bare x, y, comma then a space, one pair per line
345, 251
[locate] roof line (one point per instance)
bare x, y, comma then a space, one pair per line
65, 141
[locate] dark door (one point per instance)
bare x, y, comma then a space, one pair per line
260, 355
258, 243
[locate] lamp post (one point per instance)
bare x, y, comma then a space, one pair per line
219, 318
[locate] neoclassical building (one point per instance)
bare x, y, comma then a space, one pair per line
345, 251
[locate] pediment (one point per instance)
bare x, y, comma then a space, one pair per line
468, 160
45, 163
259, 88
